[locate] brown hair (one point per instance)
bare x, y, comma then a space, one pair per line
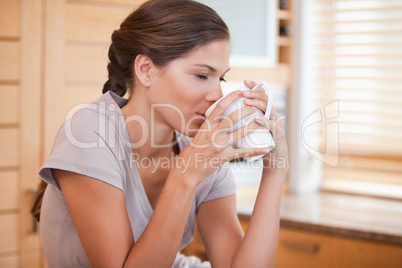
162, 30
35, 210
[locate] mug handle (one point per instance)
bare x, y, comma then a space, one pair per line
270, 95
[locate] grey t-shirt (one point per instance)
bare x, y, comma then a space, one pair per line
95, 143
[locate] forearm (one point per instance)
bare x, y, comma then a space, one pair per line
258, 247
160, 241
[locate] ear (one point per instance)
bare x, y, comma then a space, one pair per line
143, 69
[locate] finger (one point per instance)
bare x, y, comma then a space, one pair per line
206, 126
249, 84
276, 117
222, 138
268, 124
262, 105
262, 121
274, 114
233, 118
255, 94
275, 127
223, 104
245, 152
242, 132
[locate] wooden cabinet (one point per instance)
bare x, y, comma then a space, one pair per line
306, 249
196, 247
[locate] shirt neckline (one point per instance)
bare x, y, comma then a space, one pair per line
179, 138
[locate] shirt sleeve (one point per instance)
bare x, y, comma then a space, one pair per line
80, 148
220, 184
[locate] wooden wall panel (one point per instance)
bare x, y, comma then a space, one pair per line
9, 260
8, 233
9, 190
10, 27
86, 63
53, 73
9, 64
9, 104
31, 123
93, 23
109, 2
8, 147
82, 95
9, 18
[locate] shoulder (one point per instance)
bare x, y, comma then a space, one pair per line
86, 144
94, 124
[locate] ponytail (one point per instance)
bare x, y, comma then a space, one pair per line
35, 210
119, 71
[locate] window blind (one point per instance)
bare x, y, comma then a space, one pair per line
357, 59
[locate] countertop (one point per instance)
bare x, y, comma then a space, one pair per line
373, 219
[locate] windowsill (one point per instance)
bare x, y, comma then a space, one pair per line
373, 219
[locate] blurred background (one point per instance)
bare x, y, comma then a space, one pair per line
335, 67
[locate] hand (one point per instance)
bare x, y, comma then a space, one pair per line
257, 98
208, 149
278, 157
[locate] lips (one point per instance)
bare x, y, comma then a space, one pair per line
201, 114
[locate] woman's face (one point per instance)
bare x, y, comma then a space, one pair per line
187, 86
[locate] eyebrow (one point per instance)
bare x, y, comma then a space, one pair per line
212, 69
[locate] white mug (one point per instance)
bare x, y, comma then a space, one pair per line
261, 137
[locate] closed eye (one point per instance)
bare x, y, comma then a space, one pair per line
201, 76
204, 77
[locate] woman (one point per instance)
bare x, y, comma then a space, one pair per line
126, 180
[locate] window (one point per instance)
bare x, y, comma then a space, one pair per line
252, 25
356, 49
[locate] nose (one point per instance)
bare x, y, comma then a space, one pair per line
215, 93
